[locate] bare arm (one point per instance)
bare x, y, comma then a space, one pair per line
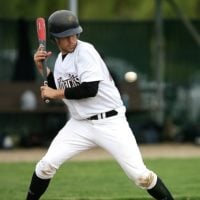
46, 92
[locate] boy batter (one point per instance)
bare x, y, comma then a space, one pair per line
82, 80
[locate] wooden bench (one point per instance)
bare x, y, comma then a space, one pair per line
11, 98
11, 94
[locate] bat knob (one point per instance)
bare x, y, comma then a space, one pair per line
46, 100
45, 83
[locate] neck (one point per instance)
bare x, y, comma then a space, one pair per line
63, 56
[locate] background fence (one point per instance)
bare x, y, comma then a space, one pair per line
125, 46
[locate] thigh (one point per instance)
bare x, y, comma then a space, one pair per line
118, 139
72, 139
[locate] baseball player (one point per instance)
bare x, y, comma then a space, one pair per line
97, 114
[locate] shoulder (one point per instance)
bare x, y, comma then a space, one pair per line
86, 49
81, 45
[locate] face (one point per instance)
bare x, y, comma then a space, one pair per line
67, 44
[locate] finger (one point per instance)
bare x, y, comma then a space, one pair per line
42, 88
42, 96
40, 53
49, 53
39, 57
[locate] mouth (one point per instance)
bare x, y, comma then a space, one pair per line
72, 47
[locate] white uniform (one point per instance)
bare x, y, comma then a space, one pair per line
79, 134
85, 65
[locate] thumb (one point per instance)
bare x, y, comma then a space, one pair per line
49, 53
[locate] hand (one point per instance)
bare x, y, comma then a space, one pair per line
39, 56
50, 93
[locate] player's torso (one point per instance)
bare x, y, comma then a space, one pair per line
65, 73
75, 69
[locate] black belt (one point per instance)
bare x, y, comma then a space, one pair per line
103, 115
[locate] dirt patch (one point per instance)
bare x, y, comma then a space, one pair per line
148, 151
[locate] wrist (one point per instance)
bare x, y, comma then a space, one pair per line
60, 94
48, 71
40, 68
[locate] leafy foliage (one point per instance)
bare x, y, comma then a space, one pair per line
95, 9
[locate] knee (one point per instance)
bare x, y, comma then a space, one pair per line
45, 170
146, 180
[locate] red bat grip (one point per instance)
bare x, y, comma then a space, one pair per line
41, 31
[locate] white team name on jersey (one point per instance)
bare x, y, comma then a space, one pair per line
70, 82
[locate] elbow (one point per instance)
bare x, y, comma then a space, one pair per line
93, 93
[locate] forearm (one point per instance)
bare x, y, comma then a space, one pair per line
84, 90
50, 80
59, 94
41, 71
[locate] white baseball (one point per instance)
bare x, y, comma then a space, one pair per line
130, 76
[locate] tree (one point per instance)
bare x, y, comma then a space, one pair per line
95, 9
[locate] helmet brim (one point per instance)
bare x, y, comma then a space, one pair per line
67, 33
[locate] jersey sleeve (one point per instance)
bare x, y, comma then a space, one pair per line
84, 90
88, 65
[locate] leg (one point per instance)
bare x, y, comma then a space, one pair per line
37, 187
71, 140
42, 175
159, 191
117, 138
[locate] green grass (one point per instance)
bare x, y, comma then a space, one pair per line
94, 180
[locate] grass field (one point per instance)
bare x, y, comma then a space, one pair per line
92, 180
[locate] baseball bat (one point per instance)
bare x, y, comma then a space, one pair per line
41, 34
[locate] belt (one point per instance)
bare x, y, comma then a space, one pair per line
103, 115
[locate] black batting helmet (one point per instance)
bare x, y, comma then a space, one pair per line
63, 23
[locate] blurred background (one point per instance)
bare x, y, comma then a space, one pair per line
152, 48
